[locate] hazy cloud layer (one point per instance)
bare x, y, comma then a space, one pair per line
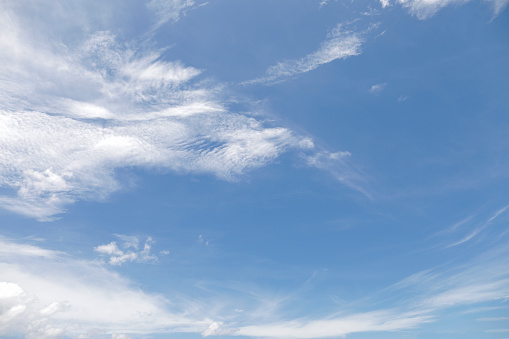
49, 294
46, 297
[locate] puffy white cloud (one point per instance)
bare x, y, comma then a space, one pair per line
9, 290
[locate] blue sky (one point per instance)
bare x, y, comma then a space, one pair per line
254, 169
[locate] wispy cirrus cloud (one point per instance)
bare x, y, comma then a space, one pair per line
472, 234
417, 300
341, 43
381, 321
8, 248
71, 116
340, 167
424, 9
426, 295
169, 10
51, 296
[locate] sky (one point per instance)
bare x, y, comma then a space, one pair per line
254, 169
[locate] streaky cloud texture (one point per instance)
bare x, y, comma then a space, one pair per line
104, 106
424, 9
341, 43
47, 297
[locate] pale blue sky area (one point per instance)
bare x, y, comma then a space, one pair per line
254, 169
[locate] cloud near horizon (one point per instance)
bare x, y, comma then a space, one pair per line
47, 294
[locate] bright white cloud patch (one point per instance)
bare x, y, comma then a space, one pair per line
9, 290
70, 117
46, 297
339, 327
129, 252
377, 88
49, 297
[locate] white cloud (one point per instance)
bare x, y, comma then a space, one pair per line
493, 319
341, 44
364, 322
424, 9
498, 5
10, 249
384, 3
479, 229
423, 296
323, 3
338, 164
377, 88
69, 117
481, 309
47, 297
9, 290
485, 279
169, 10
215, 329
130, 253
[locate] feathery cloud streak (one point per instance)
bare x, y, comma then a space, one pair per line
340, 44
70, 117
424, 9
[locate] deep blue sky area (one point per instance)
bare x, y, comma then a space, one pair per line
254, 169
